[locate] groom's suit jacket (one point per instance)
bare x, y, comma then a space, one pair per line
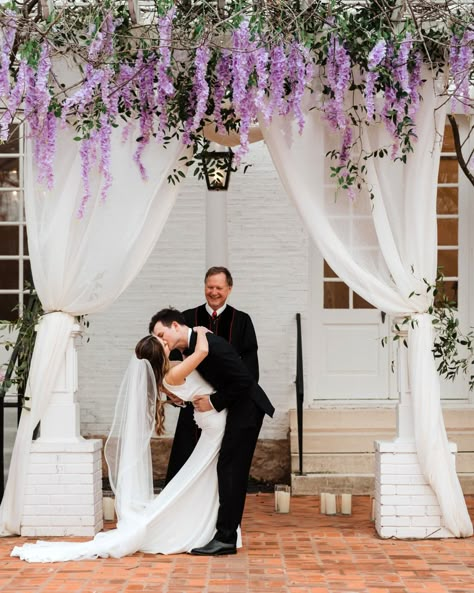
225, 371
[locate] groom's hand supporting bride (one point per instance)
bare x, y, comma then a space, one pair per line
202, 403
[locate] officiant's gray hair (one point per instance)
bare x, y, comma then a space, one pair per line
219, 270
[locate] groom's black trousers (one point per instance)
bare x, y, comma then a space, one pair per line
243, 425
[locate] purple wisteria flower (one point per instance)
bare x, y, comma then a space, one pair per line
400, 70
165, 87
377, 54
338, 74
14, 101
278, 73
7, 45
223, 78
147, 105
375, 58
84, 95
261, 68
461, 57
300, 71
201, 87
105, 143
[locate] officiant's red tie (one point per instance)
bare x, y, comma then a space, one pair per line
214, 315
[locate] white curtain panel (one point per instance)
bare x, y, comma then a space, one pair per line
384, 249
82, 265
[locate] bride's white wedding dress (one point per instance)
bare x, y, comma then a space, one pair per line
183, 516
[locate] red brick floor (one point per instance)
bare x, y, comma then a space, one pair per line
302, 552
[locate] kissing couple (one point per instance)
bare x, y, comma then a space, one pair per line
200, 510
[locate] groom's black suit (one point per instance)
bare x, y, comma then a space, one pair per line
235, 327
246, 404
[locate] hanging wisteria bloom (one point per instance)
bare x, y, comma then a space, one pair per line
376, 57
461, 60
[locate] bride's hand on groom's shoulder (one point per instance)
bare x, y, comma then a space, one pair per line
200, 329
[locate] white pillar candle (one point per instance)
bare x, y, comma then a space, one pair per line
346, 504
330, 504
282, 498
322, 503
108, 506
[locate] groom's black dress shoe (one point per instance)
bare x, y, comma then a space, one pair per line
214, 548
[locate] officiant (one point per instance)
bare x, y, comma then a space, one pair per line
227, 322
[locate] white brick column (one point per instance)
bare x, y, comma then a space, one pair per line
405, 504
216, 229
64, 482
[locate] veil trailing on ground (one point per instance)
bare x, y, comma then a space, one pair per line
127, 449
128, 456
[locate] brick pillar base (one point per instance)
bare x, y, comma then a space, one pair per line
63, 493
405, 504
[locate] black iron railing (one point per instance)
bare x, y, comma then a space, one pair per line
299, 390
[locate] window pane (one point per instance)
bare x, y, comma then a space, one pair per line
336, 295
448, 140
8, 304
447, 200
450, 291
447, 231
8, 274
360, 303
448, 262
10, 205
9, 172
8, 240
448, 170
25, 242
13, 145
27, 277
328, 272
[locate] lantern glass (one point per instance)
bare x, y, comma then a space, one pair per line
217, 167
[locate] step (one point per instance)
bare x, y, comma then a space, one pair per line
311, 484
359, 463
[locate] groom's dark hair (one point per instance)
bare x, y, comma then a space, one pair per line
166, 317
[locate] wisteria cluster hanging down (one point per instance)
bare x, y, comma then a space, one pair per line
182, 71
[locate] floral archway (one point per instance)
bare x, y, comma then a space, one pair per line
82, 71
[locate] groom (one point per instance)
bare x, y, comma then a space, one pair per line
246, 404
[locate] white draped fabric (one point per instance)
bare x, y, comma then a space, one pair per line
384, 250
82, 265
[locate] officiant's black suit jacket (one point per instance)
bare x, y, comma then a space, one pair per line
234, 326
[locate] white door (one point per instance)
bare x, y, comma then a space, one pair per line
348, 361
346, 358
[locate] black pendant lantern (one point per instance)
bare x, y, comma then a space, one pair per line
217, 167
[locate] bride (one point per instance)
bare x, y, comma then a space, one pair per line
183, 516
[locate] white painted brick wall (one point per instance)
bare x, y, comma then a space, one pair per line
63, 494
405, 504
268, 257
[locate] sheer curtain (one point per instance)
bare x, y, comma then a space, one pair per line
82, 265
384, 249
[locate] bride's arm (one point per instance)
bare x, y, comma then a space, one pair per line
177, 374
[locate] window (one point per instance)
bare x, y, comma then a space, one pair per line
14, 260
337, 295
448, 216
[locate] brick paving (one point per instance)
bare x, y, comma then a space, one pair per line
301, 552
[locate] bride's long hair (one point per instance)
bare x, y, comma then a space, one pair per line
152, 350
